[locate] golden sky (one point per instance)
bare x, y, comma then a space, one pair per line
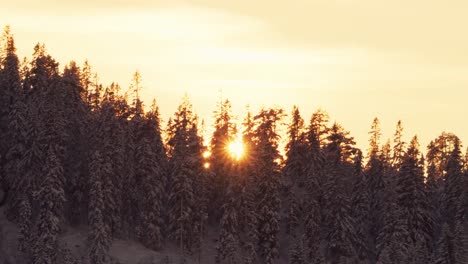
399, 59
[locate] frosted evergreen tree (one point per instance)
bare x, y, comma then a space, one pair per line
453, 186
434, 194
296, 252
103, 141
221, 163
77, 145
294, 178
10, 84
445, 248
181, 203
248, 215
25, 225
184, 163
268, 173
412, 202
228, 242
150, 170
294, 169
359, 207
51, 198
315, 163
338, 226
99, 236
374, 171
460, 242
19, 157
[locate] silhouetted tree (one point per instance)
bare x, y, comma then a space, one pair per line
268, 173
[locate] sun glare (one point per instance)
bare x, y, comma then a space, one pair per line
236, 148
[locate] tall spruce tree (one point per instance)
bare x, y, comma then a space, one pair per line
100, 237
51, 198
268, 173
184, 148
374, 172
221, 163
412, 203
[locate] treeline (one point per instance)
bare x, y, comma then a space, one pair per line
75, 152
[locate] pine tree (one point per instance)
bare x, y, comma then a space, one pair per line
25, 224
445, 248
296, 252
338, 224
9, 89
360, 208
319, 126
266, 138
315, 160
412, 201
185, 156
77, 145
460, 242
51, 197
248, 215
374, 173
293, 170
228, 243
99, 236
221, 163
433, 194
104, 142
150, 159
12, 113
453, 186
398, 146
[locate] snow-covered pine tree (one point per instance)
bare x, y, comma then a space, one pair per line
460, 242
184, 163
453, 186
25, 225
103, 141
150, 167
294, 169
293, 179
51, 198
248, 216
338, 225
359, 208
296, 251
221, 163
412, 202
445, 249
99, 236
392, 237
14, 169
315, 163
77, 145
268, 174
433, 194
200, 214
10, 84
374, 171
248, 222
228, 242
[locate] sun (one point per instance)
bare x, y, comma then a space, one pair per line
236, 149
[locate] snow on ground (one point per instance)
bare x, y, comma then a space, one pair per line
124, 251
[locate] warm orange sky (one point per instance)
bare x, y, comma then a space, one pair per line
399, 59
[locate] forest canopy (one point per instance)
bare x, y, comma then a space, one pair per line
76, 152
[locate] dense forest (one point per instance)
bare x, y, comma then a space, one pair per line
77, 153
